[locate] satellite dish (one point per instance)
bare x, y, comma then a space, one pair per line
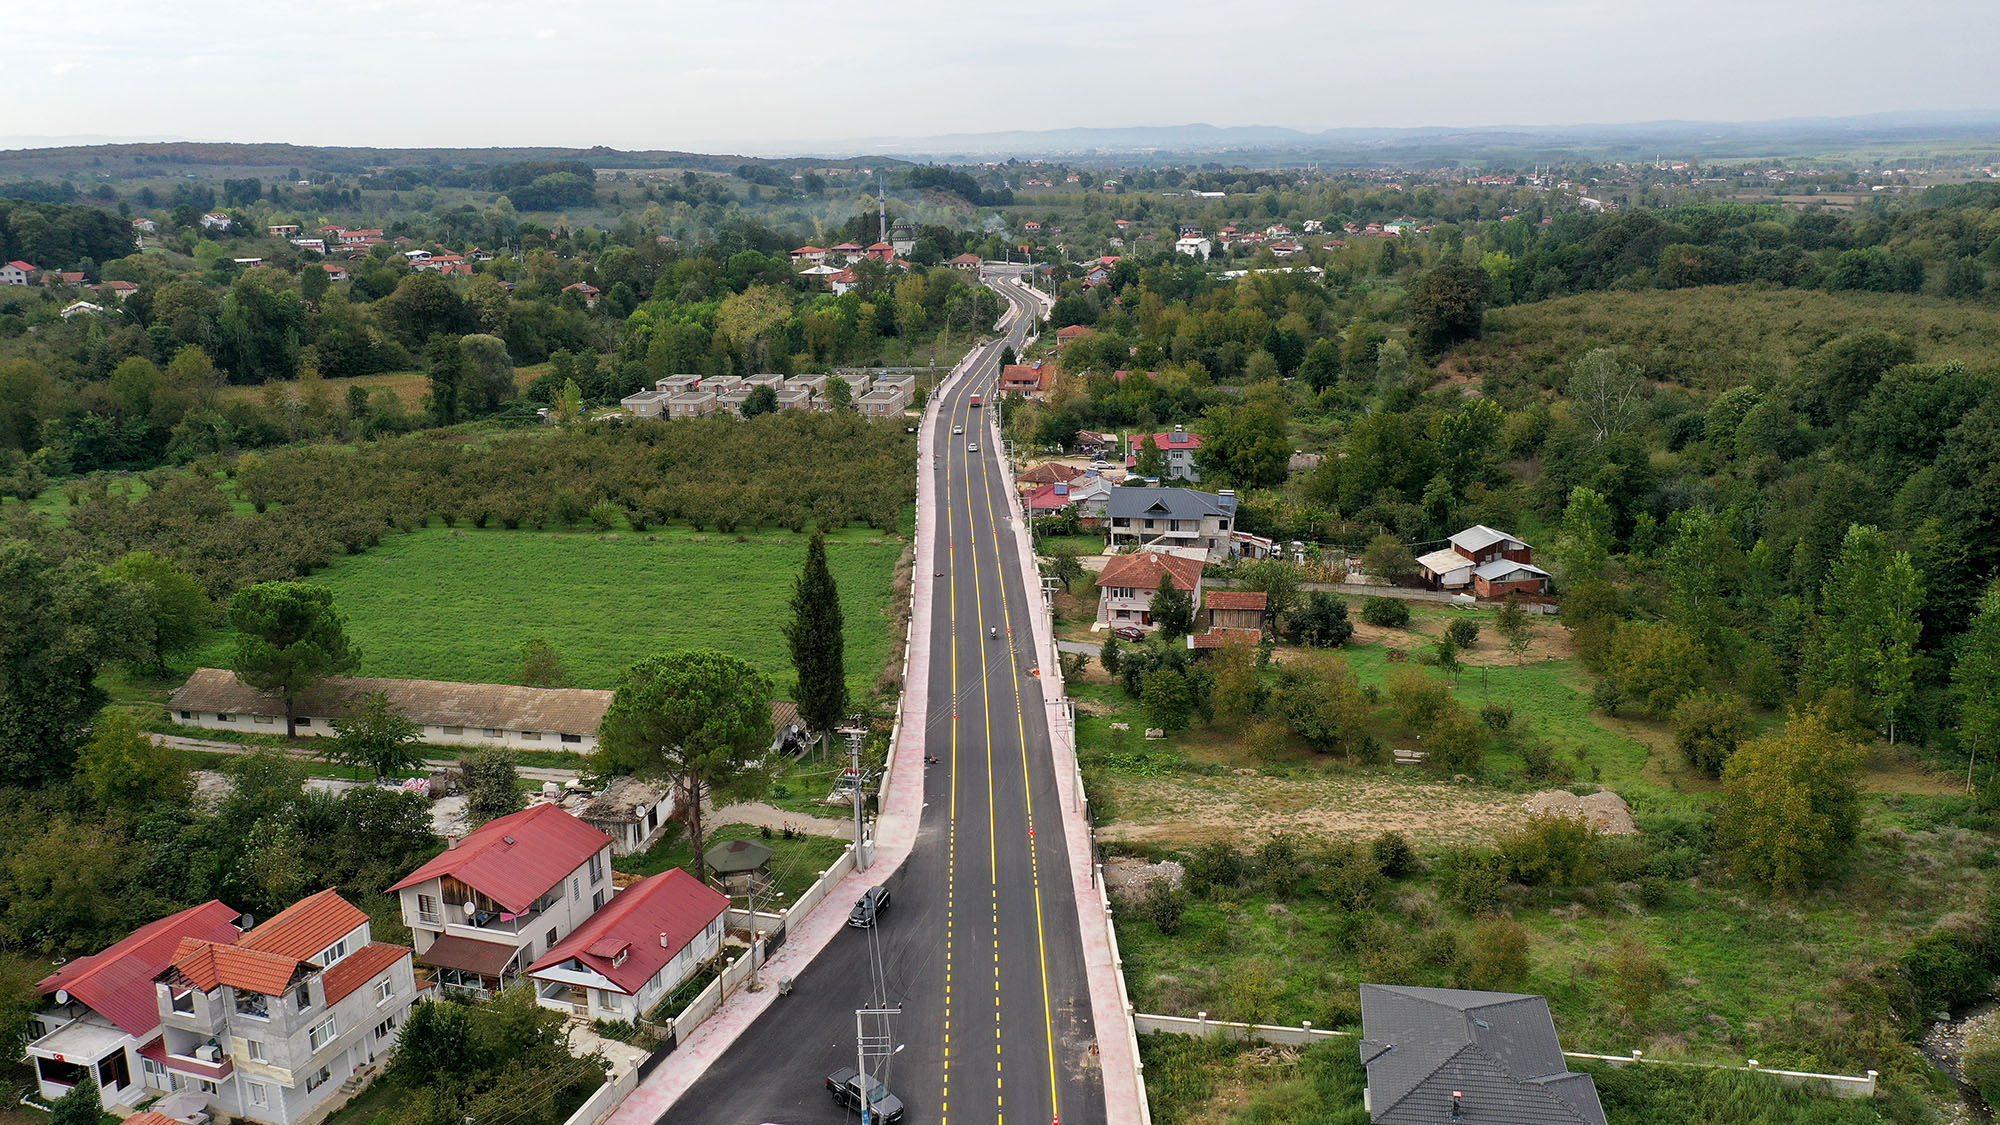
62, 996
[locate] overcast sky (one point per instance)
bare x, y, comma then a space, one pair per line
761, 75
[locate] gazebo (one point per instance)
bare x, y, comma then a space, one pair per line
739, 865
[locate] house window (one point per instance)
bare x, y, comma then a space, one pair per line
575, 890
1125, 613
492, 733
187, 714
207, 1087
225, 718
263, 720
153, 1069
333, 953
305, 722
259, 1094
572, 738
597, 868
383, 1029
596, 901
1222, 525
254, 1048
320, 1036
1149, 525
453, 730
302, 997
183, 999
532, 735
552, 937
384, 989
427, 909
315, 1081
620, 959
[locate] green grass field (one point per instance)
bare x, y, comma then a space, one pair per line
456, 605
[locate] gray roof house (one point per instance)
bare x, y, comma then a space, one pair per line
1151, 516
1437, 1055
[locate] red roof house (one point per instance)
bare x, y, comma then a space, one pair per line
515, 859
1021, 378
1127, 584
117, 982
642, 945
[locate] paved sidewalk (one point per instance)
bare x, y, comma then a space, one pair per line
895, 834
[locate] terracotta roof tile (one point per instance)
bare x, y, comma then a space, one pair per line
306, 928
206, 964
1143, 571
359, 967
1236, 599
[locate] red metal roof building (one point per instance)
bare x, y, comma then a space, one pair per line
645, 942
517, 858
117, 982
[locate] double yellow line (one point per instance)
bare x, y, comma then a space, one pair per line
977, 380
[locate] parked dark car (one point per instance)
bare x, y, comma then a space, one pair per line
873, 901
845, 1086
1129, 633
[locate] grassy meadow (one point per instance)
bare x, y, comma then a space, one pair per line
1656, 953
456, 604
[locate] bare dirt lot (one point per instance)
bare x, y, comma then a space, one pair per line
1240, 806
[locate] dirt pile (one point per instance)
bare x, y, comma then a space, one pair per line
1603, 810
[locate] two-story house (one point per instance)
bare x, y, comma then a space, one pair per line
1176, 448
1493, 563
488, 905
268, 1026
1172, 517
1126, 585
102, 1014
620, 962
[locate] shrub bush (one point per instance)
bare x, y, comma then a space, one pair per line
1473, 880
1464, 632
1497, 956
1214, 868
1164, 904
1386, 613
1394, 856
1550, 850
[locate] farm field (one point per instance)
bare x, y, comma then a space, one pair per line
456, 604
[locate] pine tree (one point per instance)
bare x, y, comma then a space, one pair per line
818, 641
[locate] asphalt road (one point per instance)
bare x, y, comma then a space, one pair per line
979, 945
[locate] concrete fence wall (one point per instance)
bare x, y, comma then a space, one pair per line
1835, 1085
600, 1104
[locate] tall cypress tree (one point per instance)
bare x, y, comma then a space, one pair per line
818, 642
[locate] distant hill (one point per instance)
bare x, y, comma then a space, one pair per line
57, 160
1430, 145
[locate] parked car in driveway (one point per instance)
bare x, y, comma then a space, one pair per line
845, 1086
873, 901
1129, 633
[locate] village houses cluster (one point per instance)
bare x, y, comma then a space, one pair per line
281, 1021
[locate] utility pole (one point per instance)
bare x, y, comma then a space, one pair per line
880, 1044
862, 849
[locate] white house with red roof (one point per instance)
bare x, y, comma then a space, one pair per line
120, 289
102, 1010
18, 273
268, 1025
809, 253
1176, 447
488, 905
651, 937
216, 220
1126, 585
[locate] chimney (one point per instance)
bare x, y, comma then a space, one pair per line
451, 841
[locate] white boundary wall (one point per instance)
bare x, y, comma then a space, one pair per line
1835, 1085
